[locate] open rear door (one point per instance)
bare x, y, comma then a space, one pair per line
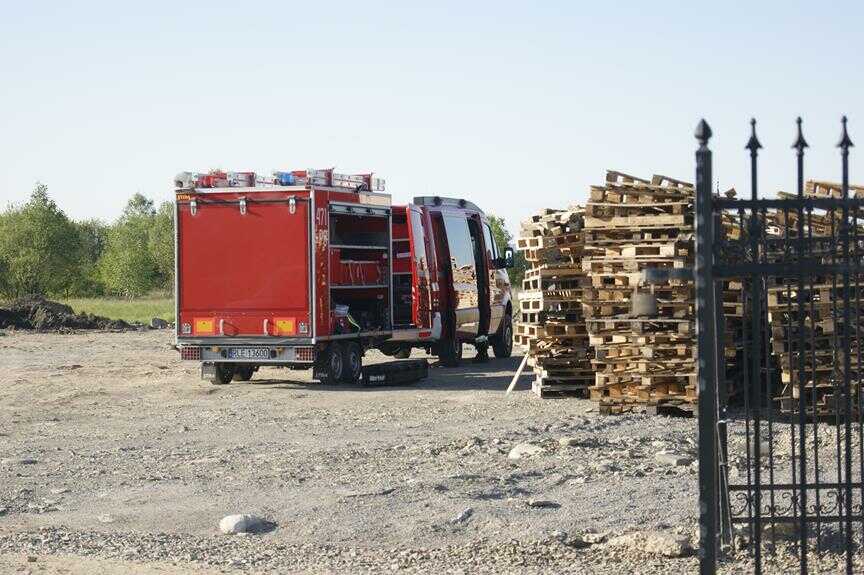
244, 265
422, 262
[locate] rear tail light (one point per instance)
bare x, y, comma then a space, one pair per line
304, 354
190, 353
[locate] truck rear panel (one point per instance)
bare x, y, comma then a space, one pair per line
244, 266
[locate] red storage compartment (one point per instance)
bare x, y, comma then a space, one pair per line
355, 268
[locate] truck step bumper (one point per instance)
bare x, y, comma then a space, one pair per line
258, 354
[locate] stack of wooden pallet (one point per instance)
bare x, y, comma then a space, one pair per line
819, 322
551, 324
732, 228
642, 329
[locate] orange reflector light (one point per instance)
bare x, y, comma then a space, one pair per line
285, 326
205, 326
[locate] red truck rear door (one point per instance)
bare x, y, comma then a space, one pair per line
244, 265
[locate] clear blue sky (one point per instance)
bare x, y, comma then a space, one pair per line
515, 105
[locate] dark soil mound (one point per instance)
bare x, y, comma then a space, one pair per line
43, 315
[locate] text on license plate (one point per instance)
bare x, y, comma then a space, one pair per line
248, 353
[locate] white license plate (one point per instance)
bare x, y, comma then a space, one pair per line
248, 353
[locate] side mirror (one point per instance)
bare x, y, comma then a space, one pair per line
508, 258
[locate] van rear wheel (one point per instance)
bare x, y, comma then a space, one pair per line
502, 344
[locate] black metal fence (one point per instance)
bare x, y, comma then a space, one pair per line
781, 450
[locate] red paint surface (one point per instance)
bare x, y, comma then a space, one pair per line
243, 269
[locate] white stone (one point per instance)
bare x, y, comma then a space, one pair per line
594, 538
654, 543
241, 523
672, 458
525, 450
463, 515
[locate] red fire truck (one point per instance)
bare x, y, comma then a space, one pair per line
312, 268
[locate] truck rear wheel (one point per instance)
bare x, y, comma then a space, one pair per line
450, 352
223, 375
352, 362
502, 344
330, 365
244, 372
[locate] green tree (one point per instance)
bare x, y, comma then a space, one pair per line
92, 238
127, 266
38, 247
504, 240
161, 243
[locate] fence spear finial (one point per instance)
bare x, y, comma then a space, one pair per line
703, 132
800, 142
753, 144
845, 142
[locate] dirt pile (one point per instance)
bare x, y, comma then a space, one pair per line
37, 313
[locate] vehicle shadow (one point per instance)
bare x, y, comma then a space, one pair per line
494, 375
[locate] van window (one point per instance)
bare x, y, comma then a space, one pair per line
461, 248
491, 246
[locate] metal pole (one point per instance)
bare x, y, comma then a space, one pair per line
706, 364
799, 145
755, 383
844, 145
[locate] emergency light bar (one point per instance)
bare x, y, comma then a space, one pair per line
326, 177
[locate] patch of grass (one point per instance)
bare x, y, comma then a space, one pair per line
140, 309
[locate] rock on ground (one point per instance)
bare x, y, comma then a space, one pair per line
654, 543
242, 523
525, 450
672, 458
464, 515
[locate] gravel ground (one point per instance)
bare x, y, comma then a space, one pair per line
115, 457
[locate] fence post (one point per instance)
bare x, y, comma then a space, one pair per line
706, 361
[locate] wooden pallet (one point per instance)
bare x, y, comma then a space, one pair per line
632, 225
550, 389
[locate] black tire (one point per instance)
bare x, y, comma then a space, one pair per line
403, 353
450, 352
352, 362
244, 372
224, 374
332, 365
502, 344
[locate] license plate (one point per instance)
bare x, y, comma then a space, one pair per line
248, 353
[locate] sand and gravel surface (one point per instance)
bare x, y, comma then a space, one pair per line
116, 458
